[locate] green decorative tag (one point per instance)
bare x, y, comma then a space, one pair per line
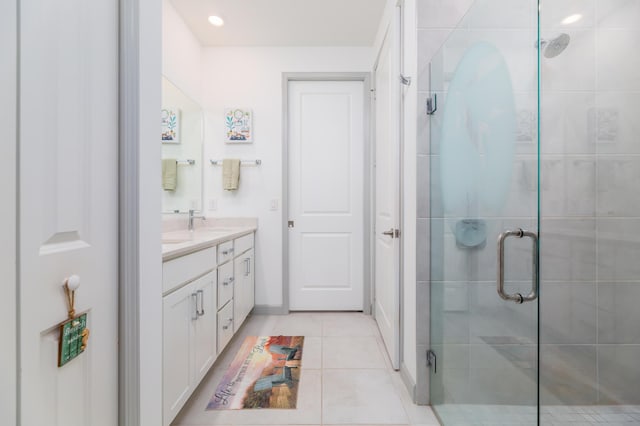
73, 339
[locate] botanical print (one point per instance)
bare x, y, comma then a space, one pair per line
170, 125
264, 374
238, 128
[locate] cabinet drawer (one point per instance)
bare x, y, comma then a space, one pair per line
225, 284
225, 252
185, 268
243, 244
225, 326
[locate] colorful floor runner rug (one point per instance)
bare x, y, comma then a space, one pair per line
264, 374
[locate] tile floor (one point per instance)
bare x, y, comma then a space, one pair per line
347, 378
574, 415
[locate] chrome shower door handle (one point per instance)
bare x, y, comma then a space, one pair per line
518, 297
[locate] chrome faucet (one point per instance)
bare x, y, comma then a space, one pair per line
191, 217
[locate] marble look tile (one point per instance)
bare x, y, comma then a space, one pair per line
298, 324
619, 374
360, 397
618, 313
351, 352
348, 324
568, 312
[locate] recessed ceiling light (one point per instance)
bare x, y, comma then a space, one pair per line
572, 19
216, 21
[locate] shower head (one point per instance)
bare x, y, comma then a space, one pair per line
554, 47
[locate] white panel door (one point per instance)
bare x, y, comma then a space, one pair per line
68, 207
387, 245
326, 184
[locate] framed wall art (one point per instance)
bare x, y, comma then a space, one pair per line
170, 125
238, 123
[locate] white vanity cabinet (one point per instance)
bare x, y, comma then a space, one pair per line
208, 293
189, 344
244, 286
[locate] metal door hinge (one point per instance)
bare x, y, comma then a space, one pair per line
291, 224
432, 361
432, 104
405, 80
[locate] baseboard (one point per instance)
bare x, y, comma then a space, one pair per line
269, 310
408, 381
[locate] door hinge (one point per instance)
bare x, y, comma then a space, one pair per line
432, 361
432, 104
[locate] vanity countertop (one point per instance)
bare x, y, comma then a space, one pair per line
177, 243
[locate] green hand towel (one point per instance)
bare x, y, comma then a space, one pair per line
169, 174
230, 174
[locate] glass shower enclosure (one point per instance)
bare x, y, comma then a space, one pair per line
534, 214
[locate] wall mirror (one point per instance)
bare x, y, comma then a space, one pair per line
182, 139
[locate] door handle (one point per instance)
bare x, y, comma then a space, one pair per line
393, 233
247, 266
518, 297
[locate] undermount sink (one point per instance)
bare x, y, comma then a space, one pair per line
199, 234
218, 230
175, 240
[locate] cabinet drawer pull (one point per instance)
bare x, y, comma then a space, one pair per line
194, 298
201, 296
227, 251
228, 281
229, 322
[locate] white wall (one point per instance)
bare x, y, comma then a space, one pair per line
150, 63
252, 77
181, 54
8, 67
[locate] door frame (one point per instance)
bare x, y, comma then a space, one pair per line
9, 217
365, 78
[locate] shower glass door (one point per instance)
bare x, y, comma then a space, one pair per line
484, 216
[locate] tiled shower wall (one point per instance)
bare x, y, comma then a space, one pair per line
590, 204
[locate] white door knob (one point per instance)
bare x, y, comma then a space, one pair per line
73, 282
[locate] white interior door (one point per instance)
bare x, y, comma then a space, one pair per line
326, 200
68, 207
387, 201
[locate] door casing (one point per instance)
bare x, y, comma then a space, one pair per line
367, 220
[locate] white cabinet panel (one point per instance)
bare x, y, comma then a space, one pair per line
242, 244
225, 284
178, 271
178, 313
244, 288
204, 328
225, 326
189, 341
225, 252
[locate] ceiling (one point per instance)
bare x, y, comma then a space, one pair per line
283, 22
